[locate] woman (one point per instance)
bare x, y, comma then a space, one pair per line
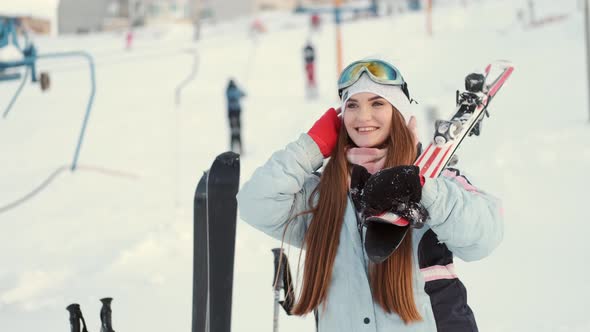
412, 289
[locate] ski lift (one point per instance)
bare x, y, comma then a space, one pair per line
14, 54
18, 52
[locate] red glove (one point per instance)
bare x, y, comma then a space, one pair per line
325, 131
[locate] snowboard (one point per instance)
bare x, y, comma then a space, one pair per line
215, 212
386, 231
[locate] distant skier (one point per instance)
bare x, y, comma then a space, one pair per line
234, 110
309, 59
316, 22
257, 28
129, 39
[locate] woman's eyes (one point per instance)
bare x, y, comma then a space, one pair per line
374, 104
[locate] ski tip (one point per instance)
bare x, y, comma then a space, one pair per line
228, 158
503, 63
201, 190
203, 179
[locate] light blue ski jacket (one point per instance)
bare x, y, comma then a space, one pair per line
463, 221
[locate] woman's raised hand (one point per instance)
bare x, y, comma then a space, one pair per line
325, 130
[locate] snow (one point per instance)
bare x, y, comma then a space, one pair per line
121, 226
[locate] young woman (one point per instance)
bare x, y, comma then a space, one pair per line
413, 289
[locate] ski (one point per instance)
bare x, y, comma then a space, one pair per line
472, 105
386, 231
200, 257
222, 189
215, 213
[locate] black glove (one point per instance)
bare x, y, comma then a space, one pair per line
397, 190
358, 178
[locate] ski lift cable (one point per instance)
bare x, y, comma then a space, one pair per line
250, 61
18, 91
189, 78
30, 61
45, 183
122, 59
35, 191
90, 60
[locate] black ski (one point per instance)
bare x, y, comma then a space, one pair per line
215, 232
222, 187
201, 258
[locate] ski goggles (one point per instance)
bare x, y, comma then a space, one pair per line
378, 70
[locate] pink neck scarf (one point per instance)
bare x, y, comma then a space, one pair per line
372, 159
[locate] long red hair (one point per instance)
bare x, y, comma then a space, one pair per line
391, 281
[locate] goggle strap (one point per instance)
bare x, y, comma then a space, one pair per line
406, 91
404, 88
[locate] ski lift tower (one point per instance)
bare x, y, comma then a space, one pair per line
22, 55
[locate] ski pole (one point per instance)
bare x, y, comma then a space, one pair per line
282, 280
106, 323
75, 317
277, 282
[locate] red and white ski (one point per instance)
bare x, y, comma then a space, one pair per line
472, 105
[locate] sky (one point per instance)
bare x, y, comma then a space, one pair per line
121, 225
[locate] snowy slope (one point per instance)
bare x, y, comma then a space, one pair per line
121, 226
